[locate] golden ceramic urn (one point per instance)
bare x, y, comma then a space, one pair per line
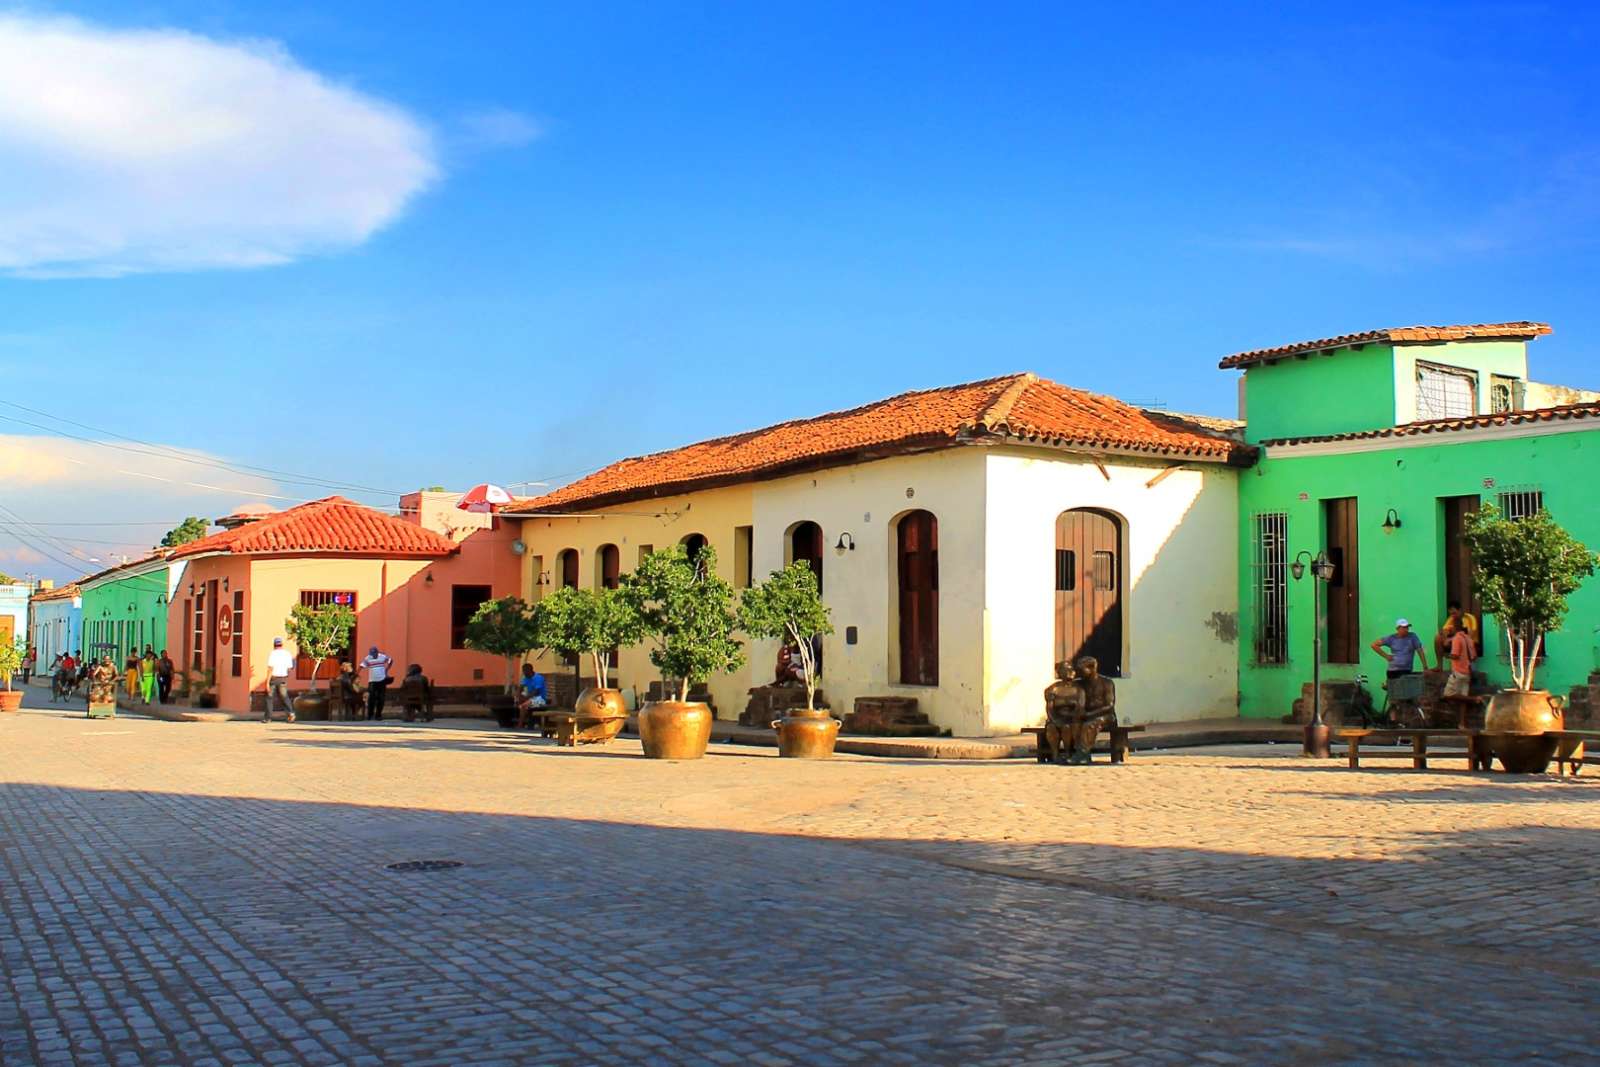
599, 715
674, 729
805, 734
1520, 718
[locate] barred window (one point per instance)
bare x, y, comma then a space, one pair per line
1445, 392
1505, 394
1270, 582
1520, 501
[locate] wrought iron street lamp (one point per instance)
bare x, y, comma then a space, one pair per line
1317, 732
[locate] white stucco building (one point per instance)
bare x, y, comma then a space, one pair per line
966, 539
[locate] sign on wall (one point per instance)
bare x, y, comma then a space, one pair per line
224, 624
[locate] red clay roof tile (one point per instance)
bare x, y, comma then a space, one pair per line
332, 525
1018, 406
1485, 331
1561, 413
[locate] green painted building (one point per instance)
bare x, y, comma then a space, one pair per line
1374, 447
125, 608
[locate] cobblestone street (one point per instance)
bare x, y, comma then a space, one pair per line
219, 894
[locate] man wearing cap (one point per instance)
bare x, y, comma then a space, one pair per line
1400, 648
280, 661
377, 665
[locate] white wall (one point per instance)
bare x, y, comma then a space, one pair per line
859, 586
1180, 625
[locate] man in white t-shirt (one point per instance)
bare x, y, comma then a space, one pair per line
377, 665
280, 661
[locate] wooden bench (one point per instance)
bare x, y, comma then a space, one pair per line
1569, 748
1477, 752
1116, 736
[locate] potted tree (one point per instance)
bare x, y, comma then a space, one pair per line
788, 607
10, 661
319, 633
591, 622
1523, 572
687, 613
512, 628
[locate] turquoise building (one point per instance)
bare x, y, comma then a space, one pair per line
56, 625
1374, 448
125, 608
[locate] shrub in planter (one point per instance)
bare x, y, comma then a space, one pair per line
687, 613
509, 627
319, 633
10, 662
788, 607
1523, 571
591, 622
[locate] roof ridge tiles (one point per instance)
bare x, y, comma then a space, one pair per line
1521, 330
1452, 424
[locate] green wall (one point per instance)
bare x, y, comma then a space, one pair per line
1352, 389
1402, 574
144, 623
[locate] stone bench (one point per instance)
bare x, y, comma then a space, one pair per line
1116, 738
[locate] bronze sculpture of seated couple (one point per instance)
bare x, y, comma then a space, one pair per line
1076, 706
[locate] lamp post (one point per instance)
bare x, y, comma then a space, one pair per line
1317, 732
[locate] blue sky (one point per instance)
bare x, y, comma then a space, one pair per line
646, 224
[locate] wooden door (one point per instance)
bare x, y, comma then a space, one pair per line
1344, 591
1088, 580
569, 568
609, 572
1457, 557
213, 595
918, 569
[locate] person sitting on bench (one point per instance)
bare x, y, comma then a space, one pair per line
532, 695
416, 694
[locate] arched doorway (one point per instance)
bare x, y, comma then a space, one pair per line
692, 544
1088, 569
805, 543
917, 567
607, 567
569, 568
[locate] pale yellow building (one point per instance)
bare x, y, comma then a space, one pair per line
966, 538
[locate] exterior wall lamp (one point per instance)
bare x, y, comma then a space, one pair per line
846, 543
224, 583
428, 580
543, 579
1391, 522
1317, 731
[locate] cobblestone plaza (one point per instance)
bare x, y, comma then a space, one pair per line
221, 894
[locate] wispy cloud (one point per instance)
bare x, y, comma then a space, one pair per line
130, 151
499, 127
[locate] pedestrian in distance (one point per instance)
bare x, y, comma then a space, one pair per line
147, 676
165, 670
280, 661
377, 665
30, 659
1401, 649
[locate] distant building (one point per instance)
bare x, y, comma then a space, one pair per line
1375, 447
56, 625
14, 611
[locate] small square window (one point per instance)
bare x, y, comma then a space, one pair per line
1066, 570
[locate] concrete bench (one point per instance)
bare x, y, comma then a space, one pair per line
1116, 737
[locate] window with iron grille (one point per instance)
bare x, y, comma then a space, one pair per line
1445, 392
1505, 394
1103, 570
464, 603
1066, 570
236, 661
1520, 501
1270, 582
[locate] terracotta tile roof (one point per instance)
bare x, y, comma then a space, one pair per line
1017, 407
332, 525
1563, 413
60, 592
1487, 331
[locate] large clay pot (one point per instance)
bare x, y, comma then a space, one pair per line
10, 699
600, 715
673, 729
1526, 715
806, 734
311, 706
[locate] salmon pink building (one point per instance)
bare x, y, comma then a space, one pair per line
412, 580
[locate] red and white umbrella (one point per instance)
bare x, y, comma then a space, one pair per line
484, 498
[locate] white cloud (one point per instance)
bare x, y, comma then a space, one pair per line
128, 151
499, 127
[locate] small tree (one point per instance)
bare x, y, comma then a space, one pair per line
1523, 571
687, 612
320, 632
10, 660
590, 622
190, 529
788, 607
509, 627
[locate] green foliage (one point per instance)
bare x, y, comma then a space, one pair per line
190, 529
434, 489
6, 579
590, 622
509, 627
320, 632
788, 607
687, 612
1523, 571
10, 660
